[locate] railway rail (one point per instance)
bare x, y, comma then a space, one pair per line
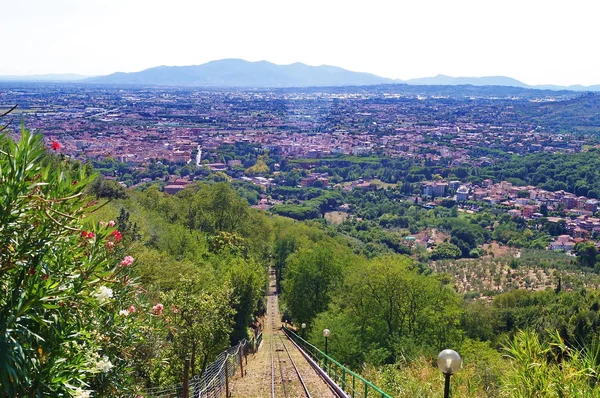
290, 367
280, 369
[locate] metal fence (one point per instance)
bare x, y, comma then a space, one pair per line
353, 384
214, 381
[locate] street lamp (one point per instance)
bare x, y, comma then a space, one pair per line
449, 363
303, 327
326, 333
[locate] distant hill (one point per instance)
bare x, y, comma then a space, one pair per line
443, 80
575, 87
64, 77
240, 73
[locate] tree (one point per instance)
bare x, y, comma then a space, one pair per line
557, 228
396, 308
586, 254
107, 189
260, 167
213, 208
310, 278
445, 250
248, 281
200, 314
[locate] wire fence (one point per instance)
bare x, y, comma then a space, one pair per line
214, 381
353, 384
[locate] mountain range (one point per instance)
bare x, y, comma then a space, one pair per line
263, 74
240, 73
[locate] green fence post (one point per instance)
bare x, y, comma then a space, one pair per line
344, 379
366, 389
353, 385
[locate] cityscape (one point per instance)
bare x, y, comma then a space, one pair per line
299, 199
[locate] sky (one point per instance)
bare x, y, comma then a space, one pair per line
537, 42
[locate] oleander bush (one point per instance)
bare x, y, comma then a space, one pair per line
70, 312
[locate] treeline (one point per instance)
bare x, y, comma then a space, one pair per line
315, 207
577, 172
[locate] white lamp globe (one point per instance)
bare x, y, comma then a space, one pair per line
449, 361
326, 332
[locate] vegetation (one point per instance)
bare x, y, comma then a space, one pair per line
69, 284
577, 173
109, 290
104, 307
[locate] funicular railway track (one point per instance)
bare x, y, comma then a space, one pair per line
279, 368
288, 371
287, 378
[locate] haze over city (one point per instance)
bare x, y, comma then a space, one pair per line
537, 42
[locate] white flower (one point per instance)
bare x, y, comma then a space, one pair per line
104, 365
79, 393
124, 313
104, 294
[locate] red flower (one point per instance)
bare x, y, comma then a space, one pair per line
117, 235
87, 235
31, 271
55, 145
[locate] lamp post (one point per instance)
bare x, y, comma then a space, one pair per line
326, 333
449, 363
303, 326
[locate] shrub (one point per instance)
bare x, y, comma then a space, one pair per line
67, 321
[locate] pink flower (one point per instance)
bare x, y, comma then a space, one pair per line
131, 309
55, 145
103, 224
127, 261
175, 310
110, 244
111, 223
158, 309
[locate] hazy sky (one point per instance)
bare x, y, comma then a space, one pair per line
534, 41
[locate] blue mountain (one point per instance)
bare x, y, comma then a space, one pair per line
240, 73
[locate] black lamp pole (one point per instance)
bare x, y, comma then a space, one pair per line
447, 385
